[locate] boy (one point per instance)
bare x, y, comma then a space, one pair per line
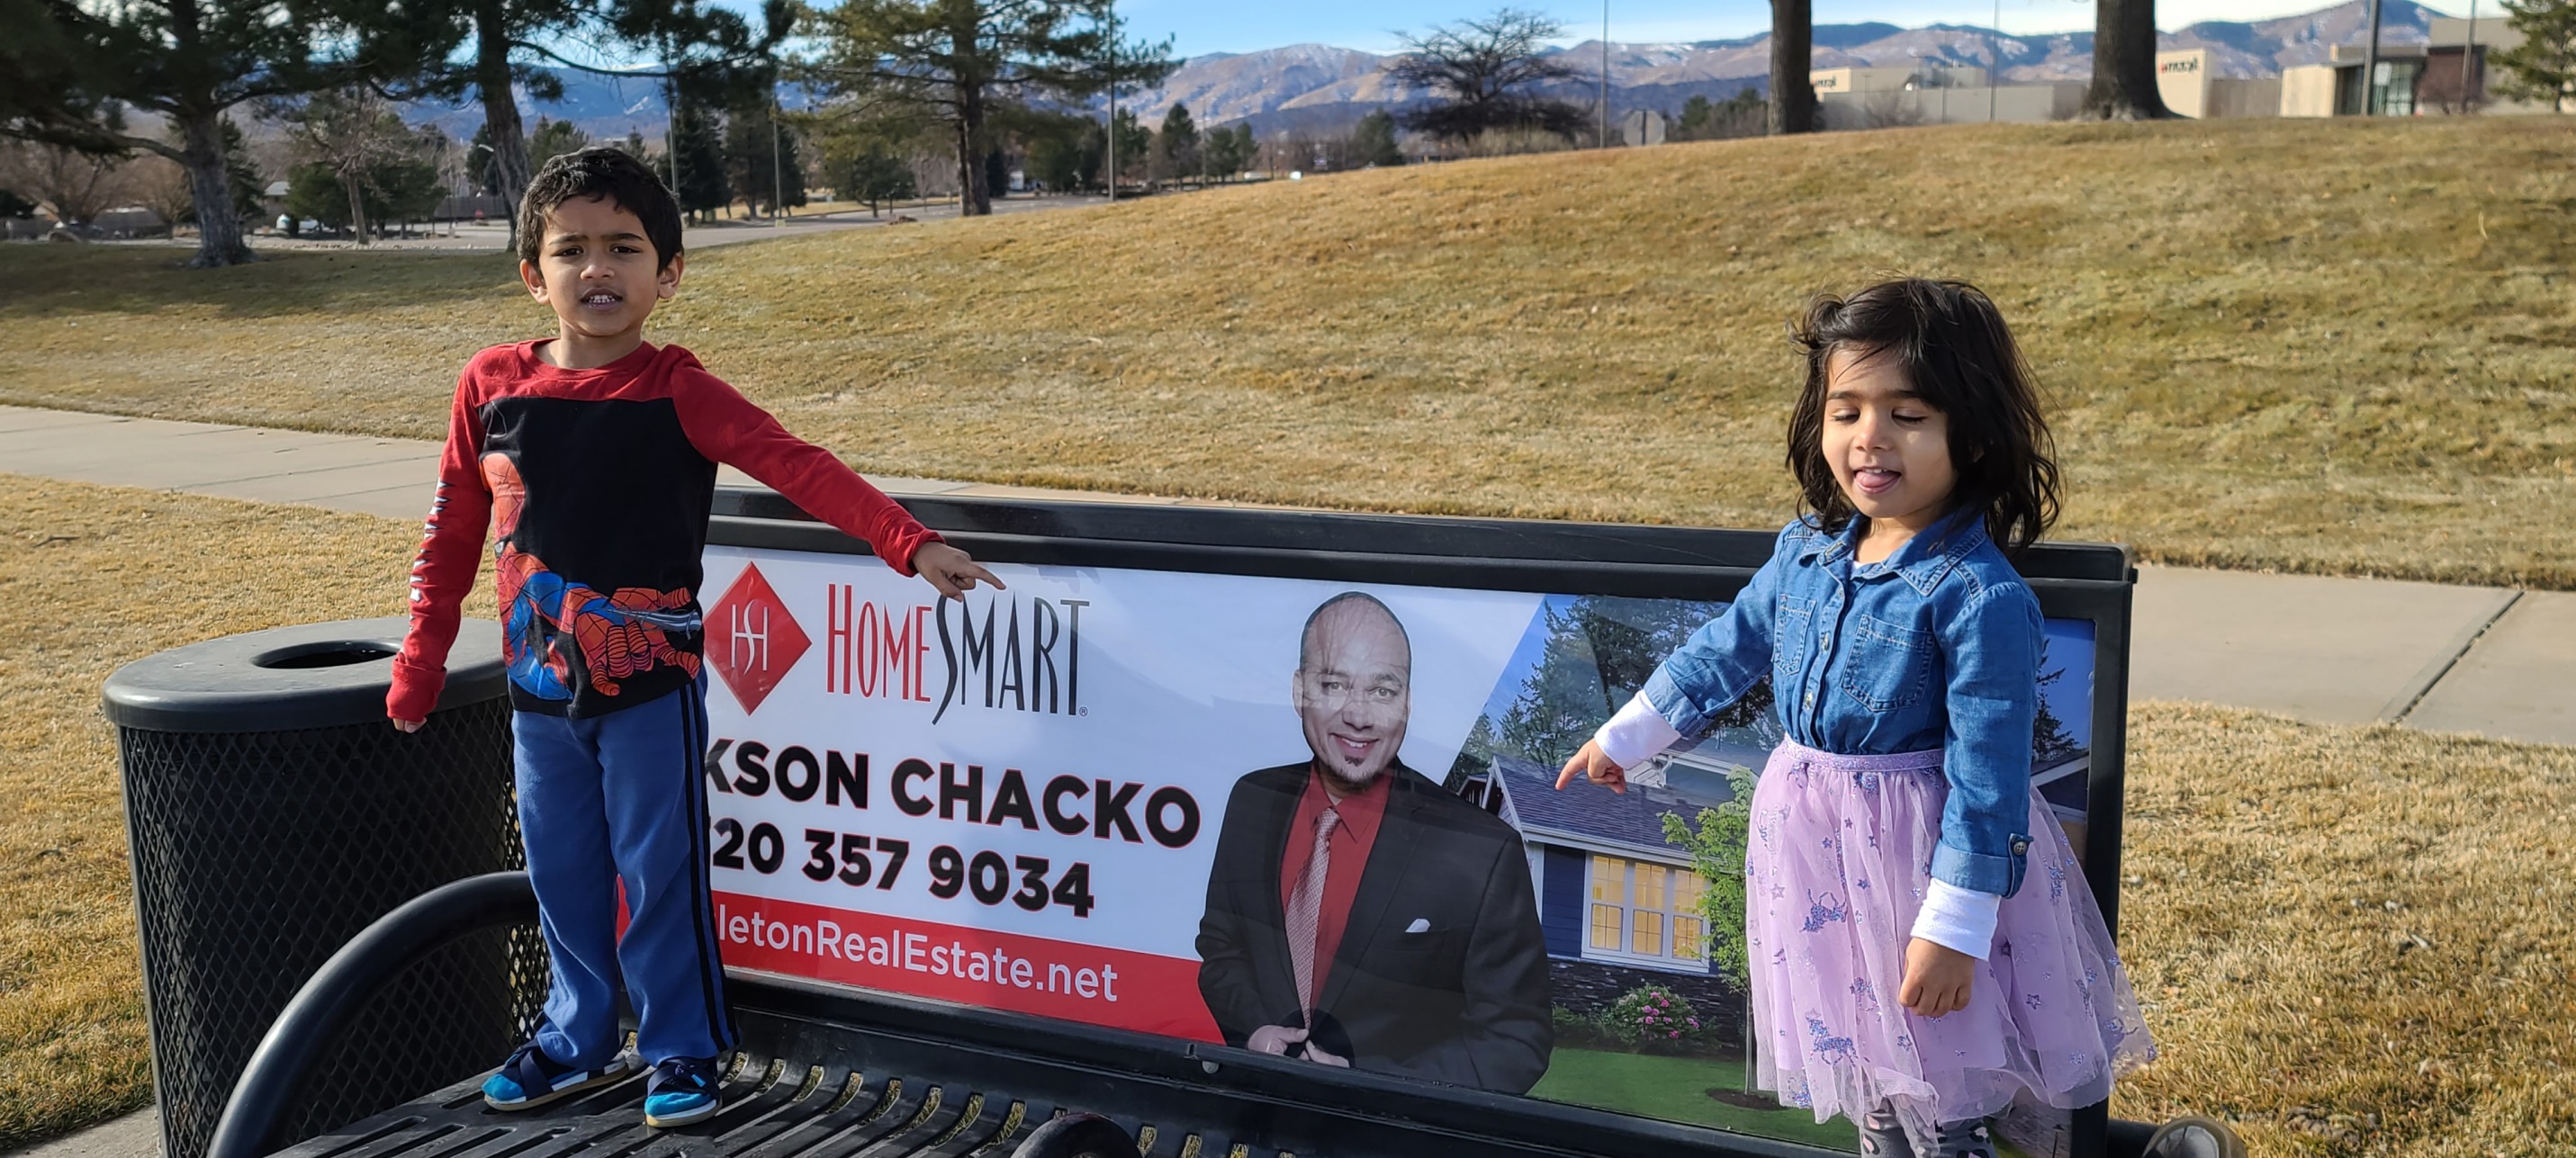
593, 455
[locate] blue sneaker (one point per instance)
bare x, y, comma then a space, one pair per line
530, 1079
682, 1090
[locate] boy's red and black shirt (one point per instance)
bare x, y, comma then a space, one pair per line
595, 486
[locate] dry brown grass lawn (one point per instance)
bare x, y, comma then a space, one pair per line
2336, 346
2356, 941
91, 577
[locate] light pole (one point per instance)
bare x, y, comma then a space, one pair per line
1605, 74
1994, 59
2468, 58
1113, 103
2370, 66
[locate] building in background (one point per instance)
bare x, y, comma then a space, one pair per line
2449, 75
2456, 78
1881, 98
2190, 85
1857, 80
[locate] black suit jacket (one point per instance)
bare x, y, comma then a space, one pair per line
1464, 1000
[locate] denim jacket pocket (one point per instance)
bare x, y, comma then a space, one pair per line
1793, 621
1889, 665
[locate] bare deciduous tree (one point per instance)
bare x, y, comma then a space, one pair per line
1488, 74
74, 186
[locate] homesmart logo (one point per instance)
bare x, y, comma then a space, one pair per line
984, 652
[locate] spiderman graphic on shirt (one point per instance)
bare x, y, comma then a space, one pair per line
620, 635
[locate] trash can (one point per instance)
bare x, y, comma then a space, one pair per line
273, 813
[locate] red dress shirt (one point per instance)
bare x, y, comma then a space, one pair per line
1351, 841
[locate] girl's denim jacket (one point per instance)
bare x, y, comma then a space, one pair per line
1936, 646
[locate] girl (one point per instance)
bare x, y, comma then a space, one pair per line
1905, 973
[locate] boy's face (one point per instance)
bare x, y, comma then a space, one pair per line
596, 269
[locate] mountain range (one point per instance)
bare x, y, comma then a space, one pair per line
1315, 87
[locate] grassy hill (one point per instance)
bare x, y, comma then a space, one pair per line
2336, 346
2354, 942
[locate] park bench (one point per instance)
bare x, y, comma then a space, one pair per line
832, 1069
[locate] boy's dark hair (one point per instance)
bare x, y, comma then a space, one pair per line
1952, 345
601, 171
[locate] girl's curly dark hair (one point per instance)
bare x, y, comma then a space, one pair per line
1953, 346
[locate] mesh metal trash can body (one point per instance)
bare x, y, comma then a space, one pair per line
273, 814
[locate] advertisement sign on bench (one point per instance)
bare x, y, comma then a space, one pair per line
1093, 797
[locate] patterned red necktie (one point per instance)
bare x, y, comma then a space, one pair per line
1306, 908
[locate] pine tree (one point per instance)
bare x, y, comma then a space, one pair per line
698, 141
1694, 120
69, 70
966, 64
1064, 152
1600, 649
1134, 141
764, 153
2543, 67
1228, 151
241, 173
1176, 147
2050, 741
553, 139
1373, 142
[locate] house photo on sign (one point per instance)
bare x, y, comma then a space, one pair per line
1641, 894
1308, 818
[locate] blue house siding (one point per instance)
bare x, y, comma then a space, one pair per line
1560, 907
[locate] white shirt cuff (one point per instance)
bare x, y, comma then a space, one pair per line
1957, 918
1635, 733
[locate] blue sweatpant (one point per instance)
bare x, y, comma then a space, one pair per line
622, 797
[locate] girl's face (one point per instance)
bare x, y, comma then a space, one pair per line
1889, 449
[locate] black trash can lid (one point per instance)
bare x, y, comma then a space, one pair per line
318, 675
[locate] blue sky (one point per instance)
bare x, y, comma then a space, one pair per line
1204, 26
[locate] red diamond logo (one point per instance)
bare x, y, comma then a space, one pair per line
751, 639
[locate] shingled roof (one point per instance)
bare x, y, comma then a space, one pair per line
1634, 819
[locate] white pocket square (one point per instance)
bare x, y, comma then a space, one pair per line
1419, 925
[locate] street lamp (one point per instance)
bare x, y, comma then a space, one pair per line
1113, 102
1994, 59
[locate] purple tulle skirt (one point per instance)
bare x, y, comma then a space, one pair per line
1835, 870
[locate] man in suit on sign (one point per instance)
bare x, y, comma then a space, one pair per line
1358, 914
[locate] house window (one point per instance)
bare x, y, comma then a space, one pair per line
1689, 929
1609, 901
1647, 910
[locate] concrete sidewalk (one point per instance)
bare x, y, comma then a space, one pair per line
2463, 659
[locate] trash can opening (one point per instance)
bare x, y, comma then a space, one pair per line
328, 653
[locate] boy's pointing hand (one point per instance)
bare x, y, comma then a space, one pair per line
952, 571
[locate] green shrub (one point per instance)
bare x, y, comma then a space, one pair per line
1654, 1019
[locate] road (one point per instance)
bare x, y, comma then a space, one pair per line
493, 235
